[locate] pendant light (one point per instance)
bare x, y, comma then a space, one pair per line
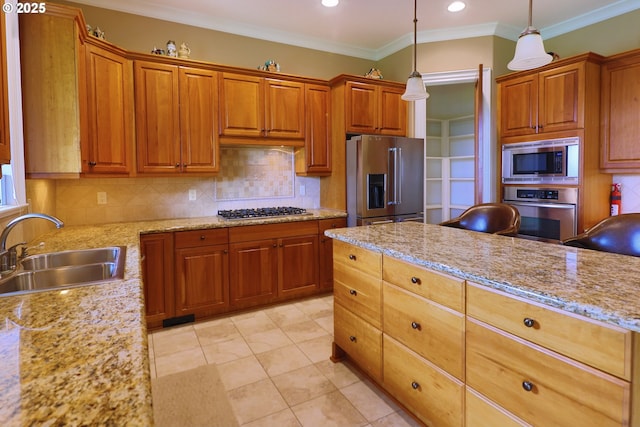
530, 51
415, 86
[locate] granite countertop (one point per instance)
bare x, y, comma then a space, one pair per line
598, 285
80, 356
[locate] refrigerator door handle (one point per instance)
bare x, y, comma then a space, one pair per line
392, 162
398, 178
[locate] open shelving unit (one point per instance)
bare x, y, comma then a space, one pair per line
450, 166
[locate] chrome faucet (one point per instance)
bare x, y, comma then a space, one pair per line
8, 257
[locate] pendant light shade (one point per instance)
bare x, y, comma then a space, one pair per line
530, 51
415, 86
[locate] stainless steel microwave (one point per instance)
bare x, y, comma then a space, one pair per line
553, 161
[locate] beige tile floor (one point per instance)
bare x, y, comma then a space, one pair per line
274, 364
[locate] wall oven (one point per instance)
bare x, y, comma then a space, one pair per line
547, 214
553, 161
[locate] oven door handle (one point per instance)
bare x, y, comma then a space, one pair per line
542, 205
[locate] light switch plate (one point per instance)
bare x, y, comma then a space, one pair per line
192, 194
102, 198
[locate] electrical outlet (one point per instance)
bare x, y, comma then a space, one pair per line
303, 190
192, 194
102, 198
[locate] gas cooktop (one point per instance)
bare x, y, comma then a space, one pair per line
261, 212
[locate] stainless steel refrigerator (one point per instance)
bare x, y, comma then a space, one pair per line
385, 179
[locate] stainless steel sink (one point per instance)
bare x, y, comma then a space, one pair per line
66, 258
67, 269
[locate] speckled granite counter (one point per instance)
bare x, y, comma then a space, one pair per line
79, 357
598, 285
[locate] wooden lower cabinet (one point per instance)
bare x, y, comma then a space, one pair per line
201, 272
156, 262
207, 272
540, 386
325, 265
431, 394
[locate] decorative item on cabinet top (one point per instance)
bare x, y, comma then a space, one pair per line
270, 65
96, 32
374, 73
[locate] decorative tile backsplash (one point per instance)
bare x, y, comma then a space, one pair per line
249, 177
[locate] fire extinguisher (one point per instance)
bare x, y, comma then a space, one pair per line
616, 199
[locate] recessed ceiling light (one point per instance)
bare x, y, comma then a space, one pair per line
456, 6
329, 3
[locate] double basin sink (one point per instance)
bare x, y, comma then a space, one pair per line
66, 269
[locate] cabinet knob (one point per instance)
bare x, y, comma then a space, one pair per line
416, 325
352, 338
527, 385
177, 165
275, 245
415, 280
202, 237
225, 251
92, 163
415, 385
281, 245
528, 322
352, 257
353, 292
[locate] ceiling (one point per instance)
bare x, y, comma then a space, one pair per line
372, 29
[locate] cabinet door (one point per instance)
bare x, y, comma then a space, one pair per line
5, 141
315, 157
284, 109
202, 280
241, 105
325, 264
620, 107
298, 266
561, 95
157, 117
253, 272
518, 106
157, 277
198, 120
360, 104
392, 112
107, 149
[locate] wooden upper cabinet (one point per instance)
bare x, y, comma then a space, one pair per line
198, 120
157, 117
620, 131
375, 109
257, 107
546, 101
52, 64
5, 140
176, 119
315, 157
108, 145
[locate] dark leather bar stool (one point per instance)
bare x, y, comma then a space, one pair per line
617, 234
495, 218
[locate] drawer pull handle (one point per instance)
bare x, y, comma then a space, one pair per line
527, 385
415, 385
416, 325
528, 322
352, 257
202, 237
415, 280
352, 338
353, 292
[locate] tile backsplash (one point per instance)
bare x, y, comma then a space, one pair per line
249, 177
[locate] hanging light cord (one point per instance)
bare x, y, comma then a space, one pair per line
415, 40
530, 29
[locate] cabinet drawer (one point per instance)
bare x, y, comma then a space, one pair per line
443, 289
539, 385
356, 257
205, 237
603, 346
330, 223
431, 330
249, 233
360, 292
481, 412
432, 395
361, 341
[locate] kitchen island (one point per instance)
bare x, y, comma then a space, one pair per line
467, 328
79, 356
